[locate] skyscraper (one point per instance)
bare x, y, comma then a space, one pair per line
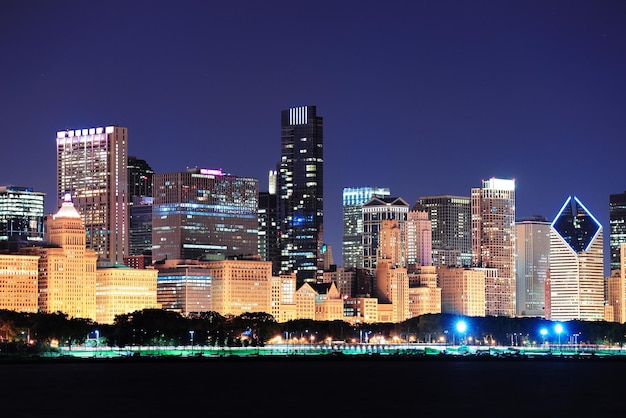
576, 280
493, 242
269, 248
418, 239
301, 191
450, 218
92, 168
139, 177
203, 212
531, 265
617, 227
375, 211
21, 215
352, 244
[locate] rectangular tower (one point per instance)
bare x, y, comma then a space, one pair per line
352, 243
531, 265
301, 191
21, 216
375, 211
617, 227
202, 212
493, 240
450, 218
92, 168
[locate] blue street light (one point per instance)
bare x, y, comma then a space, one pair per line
461, 327
543, 333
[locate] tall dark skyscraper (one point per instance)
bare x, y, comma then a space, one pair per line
140, 200
301, 191
617, 227
139, 177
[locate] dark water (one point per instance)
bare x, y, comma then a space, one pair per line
327, 387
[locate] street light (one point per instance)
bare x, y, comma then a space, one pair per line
543, 333
558, 328
191, 340
461, 327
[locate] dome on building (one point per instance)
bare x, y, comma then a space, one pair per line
67, 209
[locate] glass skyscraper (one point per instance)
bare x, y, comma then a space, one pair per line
92, 168
21, 215
203, 212
576, 283
352, 243
531, 265
617, 227
300, 189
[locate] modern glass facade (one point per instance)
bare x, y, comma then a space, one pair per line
21, 215
140, 238
202, 212
352, 243
185, 289
92, 168
531, 265
576, 280
451, 222
617, 228
300, 189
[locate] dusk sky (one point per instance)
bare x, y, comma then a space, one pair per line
423, 97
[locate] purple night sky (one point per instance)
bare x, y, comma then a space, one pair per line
423, 97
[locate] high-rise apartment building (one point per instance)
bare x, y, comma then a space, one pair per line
352, 243
301, 191
617, 228
462, 290
493, 240
18, 282
451, 222
576, 280
531, 265
21, 215
200, 212
375, 211
418, 237
392, 280
92, 168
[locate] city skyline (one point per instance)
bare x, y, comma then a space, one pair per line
423, 98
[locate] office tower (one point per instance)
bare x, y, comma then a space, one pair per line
140, 226
139, 177
284, 306
392, 280
352, 243
375, 211
531, 265
269, 246
617, 227
342, 277
200, 212
418, 237
462, 291
67, 268
451, 221
301, 191
21, 216
122, 290
92, 168
576, 280
18, 282
424, 291
493, 241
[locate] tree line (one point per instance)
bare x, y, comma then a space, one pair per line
36, 332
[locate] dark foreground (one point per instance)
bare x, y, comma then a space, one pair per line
316, 386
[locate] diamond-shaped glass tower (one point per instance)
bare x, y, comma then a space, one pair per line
576, 225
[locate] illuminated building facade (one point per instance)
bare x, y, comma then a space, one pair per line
617, 228
493, 241
462, 291
616, 291
21, 216
531, 265
269, 244
183, 287
123, 290
344, 279
375, 211
300, 188
418, 237
19, 282
424, 291
92, 168
239, 286
328, 302
140, 177
392, 280
576, 280
360, 310
204, 212
283, 302
352, 243
67, 269
451, 229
